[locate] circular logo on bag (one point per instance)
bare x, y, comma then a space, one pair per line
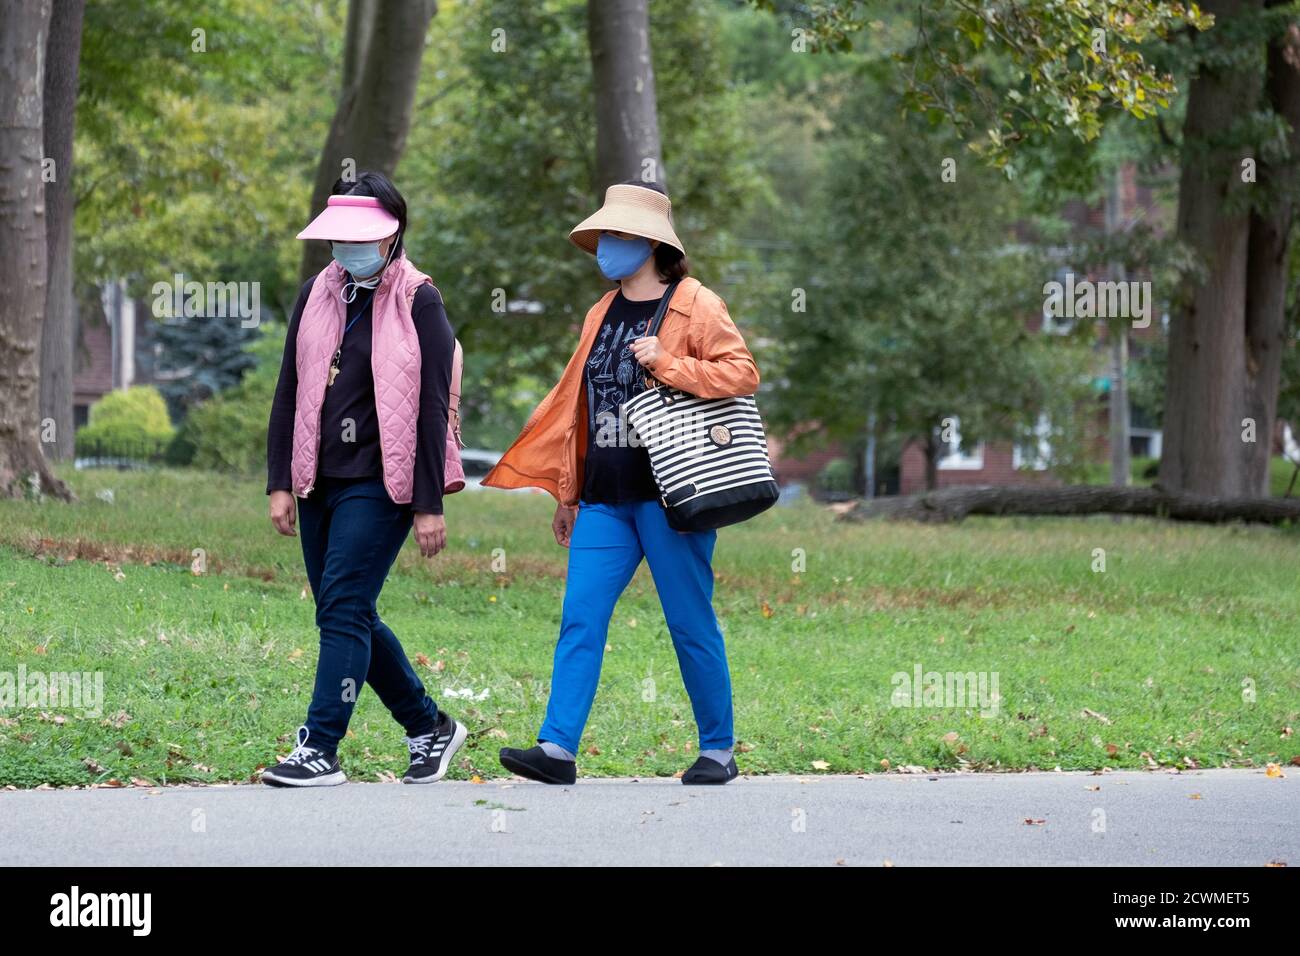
720, 435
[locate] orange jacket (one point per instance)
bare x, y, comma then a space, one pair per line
710, 360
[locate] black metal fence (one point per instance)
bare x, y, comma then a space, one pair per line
120, 453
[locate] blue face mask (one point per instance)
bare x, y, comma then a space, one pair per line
620, 258
359, 258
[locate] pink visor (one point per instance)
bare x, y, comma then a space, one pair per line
351, 219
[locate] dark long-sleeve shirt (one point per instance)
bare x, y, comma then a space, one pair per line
349, 424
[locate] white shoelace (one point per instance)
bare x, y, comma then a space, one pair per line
419, 746
302, 752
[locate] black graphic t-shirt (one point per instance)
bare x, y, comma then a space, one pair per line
615, 469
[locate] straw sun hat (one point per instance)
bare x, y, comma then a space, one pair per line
638, 210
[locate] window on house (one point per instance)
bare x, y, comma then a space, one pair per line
1035, 453
953, 455
1058, 324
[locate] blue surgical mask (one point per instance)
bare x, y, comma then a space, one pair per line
620, 258
359, 259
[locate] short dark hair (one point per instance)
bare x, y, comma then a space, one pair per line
671, 262
380, 187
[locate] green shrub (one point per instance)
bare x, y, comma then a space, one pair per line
228, 432
129, 424
836, 476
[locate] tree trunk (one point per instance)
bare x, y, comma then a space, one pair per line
1205, 391
627, 119
932, 461
953, 504
24, 26
1268, 259
381, 70
62, 55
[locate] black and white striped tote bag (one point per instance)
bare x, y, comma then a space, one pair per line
708, 455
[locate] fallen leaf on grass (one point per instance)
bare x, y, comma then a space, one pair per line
1092, 713
820, 765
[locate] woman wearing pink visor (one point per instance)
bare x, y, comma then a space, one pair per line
357, 448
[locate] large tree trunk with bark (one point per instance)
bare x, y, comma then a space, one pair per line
381, 69
1269, 257
953, 504
627, 117
62, 55
1203, 451
24, 26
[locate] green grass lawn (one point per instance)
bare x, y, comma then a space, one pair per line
1187, 646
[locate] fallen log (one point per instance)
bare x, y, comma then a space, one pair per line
954, 504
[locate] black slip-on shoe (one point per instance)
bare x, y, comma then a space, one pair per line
706, 770
431, 753
535, 764
306, 766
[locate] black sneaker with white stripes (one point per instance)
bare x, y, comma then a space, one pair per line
431, 753
306, 766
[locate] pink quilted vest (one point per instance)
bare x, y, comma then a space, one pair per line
395, 363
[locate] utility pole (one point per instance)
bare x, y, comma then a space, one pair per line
1117, 332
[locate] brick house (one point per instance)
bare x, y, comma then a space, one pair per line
115, 349
1002, 463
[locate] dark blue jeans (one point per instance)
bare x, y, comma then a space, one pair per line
351, 533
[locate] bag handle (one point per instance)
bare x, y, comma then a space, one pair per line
657, 321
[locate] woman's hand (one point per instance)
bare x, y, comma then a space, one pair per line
649, 352
284, 512
562, 524
430, 533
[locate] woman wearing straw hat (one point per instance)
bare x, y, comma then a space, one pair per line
359, 434
576, 446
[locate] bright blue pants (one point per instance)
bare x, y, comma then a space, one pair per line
605, 550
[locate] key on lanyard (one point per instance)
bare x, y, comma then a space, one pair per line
338, 353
